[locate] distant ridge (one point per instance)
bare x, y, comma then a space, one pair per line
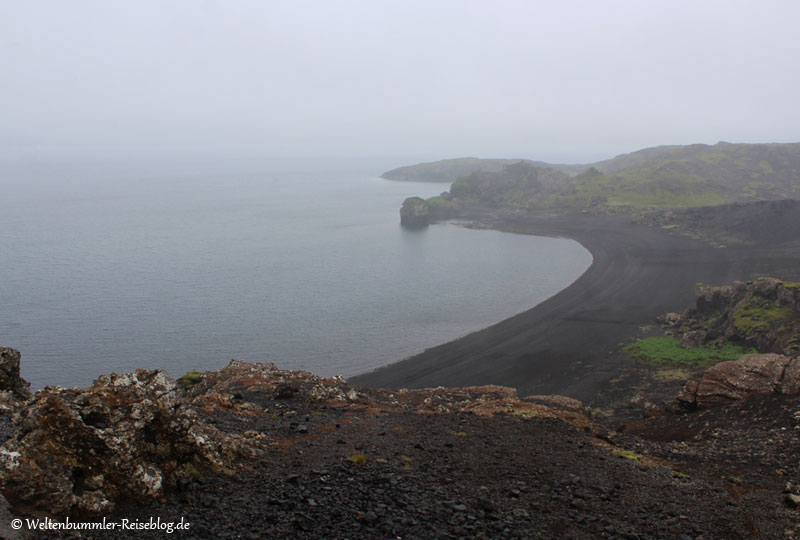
447, 170
658, 177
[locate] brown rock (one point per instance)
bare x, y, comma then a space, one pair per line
563, 403
790, 382
751, 375
687, 397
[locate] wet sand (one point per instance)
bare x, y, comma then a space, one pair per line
569, 344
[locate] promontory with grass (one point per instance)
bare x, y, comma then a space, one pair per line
665, 177
658, 396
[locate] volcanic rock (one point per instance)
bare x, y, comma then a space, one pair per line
128, 436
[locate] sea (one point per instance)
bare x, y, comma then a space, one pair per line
115, 266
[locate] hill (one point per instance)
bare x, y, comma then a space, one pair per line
660, 177
448, 170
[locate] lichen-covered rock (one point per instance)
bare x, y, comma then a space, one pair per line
129, 435
751, 375
763, 314
265, 380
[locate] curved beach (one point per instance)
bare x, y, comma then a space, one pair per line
569, 343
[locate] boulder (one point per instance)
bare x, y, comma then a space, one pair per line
751, 375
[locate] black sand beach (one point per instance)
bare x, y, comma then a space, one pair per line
569, 343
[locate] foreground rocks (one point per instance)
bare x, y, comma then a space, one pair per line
252, 451
128, 436
138, 435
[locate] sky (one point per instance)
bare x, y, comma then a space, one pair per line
567, 81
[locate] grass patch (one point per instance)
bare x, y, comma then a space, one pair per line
635, 456
190, 379
667, 351
438, 203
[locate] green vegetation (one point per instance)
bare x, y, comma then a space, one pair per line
447, 170
439, 204
634, 456
759, 314
667, 351
655, 185
190, 379
357, 459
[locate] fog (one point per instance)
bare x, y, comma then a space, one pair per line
569, 82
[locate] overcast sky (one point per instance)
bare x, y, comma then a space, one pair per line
560, 81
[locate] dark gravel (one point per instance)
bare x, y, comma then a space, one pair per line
449, 476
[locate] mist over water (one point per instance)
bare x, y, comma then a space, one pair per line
111, 269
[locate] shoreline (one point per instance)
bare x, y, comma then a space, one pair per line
569, 344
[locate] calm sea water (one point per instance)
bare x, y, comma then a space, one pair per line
107, 270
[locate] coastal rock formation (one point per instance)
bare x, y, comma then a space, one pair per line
414, 213
10, 380
127, 436
751, 375
763, 314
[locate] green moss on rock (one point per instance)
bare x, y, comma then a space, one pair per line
190, 379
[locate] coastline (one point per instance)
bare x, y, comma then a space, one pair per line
569, 343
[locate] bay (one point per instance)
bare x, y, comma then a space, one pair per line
108, 269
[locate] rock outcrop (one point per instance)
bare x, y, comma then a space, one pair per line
751, 375
414, 213
763, 314
128, 436
10, 380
